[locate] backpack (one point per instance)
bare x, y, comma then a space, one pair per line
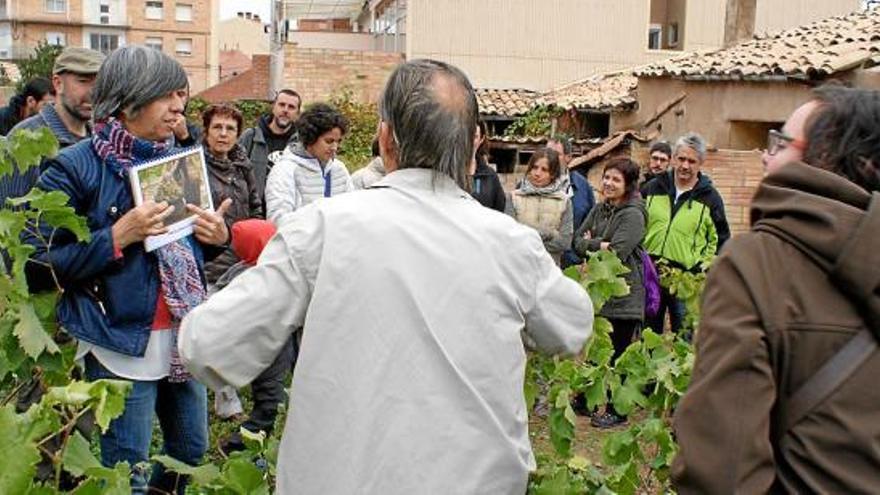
651, 281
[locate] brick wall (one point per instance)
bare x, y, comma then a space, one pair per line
317, 73
252, 84
736, 175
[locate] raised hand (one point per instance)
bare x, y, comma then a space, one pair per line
209, 227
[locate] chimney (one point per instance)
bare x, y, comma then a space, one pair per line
241, 14
739, 21
257, 17
249, 16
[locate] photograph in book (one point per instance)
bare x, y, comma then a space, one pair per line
179, 179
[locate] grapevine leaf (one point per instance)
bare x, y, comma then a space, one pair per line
78, 456
627, 396
201, 475
20, 254
19, 452
626, 478
30, 332
651, 339
111, 481
562, 424
66, 218
242, 476
28, 147
619, 448
559, 483
530, 391
595, 394
42, 489
11, 223
252, 441
601, 348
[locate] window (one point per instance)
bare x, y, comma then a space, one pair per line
56, 6
55, 38
3, 12
154, 10
184, 46
184, 12
655, 36
105, 43
155, 43
666, 25
673, 34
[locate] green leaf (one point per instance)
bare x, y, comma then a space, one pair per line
560, 482
30, 332
596, 394
651, 339
105, 397
78, 457
42, 489
11, 223
627, 396
28, 147
600, 348
115, 481
18, 451
562, 423
252, 441
201, 475
241, 476
620, 447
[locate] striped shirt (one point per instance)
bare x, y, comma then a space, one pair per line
19, 183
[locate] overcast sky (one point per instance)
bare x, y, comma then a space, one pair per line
228, 8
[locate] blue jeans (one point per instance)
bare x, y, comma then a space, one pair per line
182, 409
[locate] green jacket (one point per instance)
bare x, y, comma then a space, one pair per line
686, 232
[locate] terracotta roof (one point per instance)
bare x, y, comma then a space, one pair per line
811, 51
505, 102
233, 63
540, 140
608, 145
614, 91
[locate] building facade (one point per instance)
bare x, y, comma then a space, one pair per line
541, 44
180, 28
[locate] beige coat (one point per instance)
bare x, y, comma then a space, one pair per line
771, 317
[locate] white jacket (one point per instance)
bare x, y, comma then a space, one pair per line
297, 179
410, 376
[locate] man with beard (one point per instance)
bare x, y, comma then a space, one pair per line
272, 133
72, 79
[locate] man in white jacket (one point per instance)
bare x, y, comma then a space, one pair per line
413, 298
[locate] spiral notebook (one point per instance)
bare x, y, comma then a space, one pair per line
180, 178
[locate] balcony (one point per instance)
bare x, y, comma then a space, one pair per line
358, 42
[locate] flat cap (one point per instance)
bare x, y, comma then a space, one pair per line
78, 60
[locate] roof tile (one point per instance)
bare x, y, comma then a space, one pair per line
814, 50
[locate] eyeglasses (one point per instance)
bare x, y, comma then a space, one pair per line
777, 141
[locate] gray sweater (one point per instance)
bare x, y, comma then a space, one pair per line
624, 227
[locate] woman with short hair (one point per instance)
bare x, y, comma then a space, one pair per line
617, 224
309, 170
124, 304
541, 202
230, 174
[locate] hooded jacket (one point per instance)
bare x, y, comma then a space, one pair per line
779, 303
257, 142
624, 227
10, 115
298, 178
686, 232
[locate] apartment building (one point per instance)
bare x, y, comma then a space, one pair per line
180, 28
542, 44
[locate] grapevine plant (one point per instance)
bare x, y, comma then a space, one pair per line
46, 415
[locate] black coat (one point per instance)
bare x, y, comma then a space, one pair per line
487, 187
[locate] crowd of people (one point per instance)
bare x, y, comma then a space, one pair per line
399, 305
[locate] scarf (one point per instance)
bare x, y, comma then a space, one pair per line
179, 274
561, 184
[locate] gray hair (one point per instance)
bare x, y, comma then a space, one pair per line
693, 141
133, 77
431, 109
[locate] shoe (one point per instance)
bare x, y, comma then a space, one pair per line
607, 420
232, 443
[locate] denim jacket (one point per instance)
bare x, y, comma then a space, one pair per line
107, 301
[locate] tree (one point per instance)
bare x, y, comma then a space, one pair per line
39, 64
